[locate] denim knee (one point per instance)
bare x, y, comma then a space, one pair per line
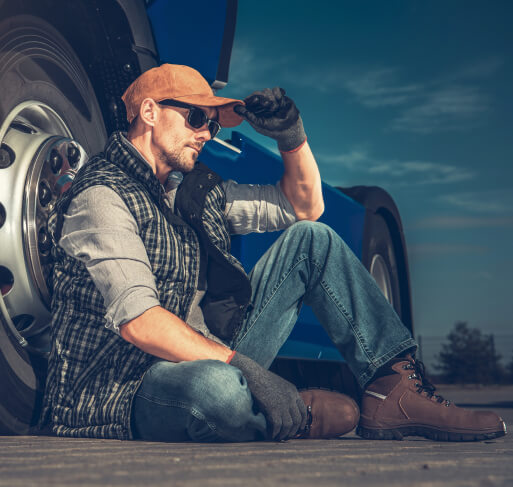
308, 225
233, 402
315, 238
203, 400
311, 230
219, 393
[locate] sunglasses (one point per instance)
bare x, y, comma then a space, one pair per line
196, 117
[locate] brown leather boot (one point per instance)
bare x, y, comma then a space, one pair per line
330, 414
404, 404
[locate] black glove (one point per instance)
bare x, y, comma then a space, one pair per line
275, 115
278, 399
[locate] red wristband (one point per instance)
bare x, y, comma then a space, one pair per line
296, 149
229, 359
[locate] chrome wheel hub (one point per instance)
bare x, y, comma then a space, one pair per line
379, 271
38, 161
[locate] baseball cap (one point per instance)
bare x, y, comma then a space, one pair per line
182, 83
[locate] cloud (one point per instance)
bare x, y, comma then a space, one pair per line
423, 172
437, 249
483, 68
353, 159
490, 202
373, 87
393, 171
453, 101
380, 87
251, 70
459, 222
484, 275
450, 108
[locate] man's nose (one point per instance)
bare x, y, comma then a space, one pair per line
203, 134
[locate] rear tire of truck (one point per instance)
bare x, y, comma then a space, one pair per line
384, 251
45, 95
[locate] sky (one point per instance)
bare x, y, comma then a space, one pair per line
416, 97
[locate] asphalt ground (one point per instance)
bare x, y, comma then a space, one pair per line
348, 461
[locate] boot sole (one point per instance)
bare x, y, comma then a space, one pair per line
426, 432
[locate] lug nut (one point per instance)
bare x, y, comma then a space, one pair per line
73, 155
6, 280
44, 241
6, 156
3, 215
45, 193
55, 161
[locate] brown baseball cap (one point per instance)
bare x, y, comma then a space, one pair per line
182, 83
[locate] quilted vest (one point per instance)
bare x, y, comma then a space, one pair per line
93, 373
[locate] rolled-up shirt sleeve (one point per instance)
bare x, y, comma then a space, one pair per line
100, 231
257, 208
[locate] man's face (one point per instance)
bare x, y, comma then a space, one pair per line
177, 144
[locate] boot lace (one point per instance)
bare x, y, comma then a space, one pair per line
423, 386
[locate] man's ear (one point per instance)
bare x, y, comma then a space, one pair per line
148, 111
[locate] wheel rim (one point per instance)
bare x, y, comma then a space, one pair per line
38, 161
381, 274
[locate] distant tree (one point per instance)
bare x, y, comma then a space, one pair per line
469, 357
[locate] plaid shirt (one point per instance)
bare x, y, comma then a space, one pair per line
93, 373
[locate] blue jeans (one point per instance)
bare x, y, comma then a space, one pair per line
208, 400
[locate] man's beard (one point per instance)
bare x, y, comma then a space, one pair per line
179, 160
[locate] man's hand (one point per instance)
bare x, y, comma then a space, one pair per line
278, 399
275, 115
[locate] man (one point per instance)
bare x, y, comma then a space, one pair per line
159, 334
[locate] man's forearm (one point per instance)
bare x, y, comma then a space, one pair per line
163, 334
301, 183
275, 115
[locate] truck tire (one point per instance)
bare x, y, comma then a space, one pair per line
50, 122
384, 249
